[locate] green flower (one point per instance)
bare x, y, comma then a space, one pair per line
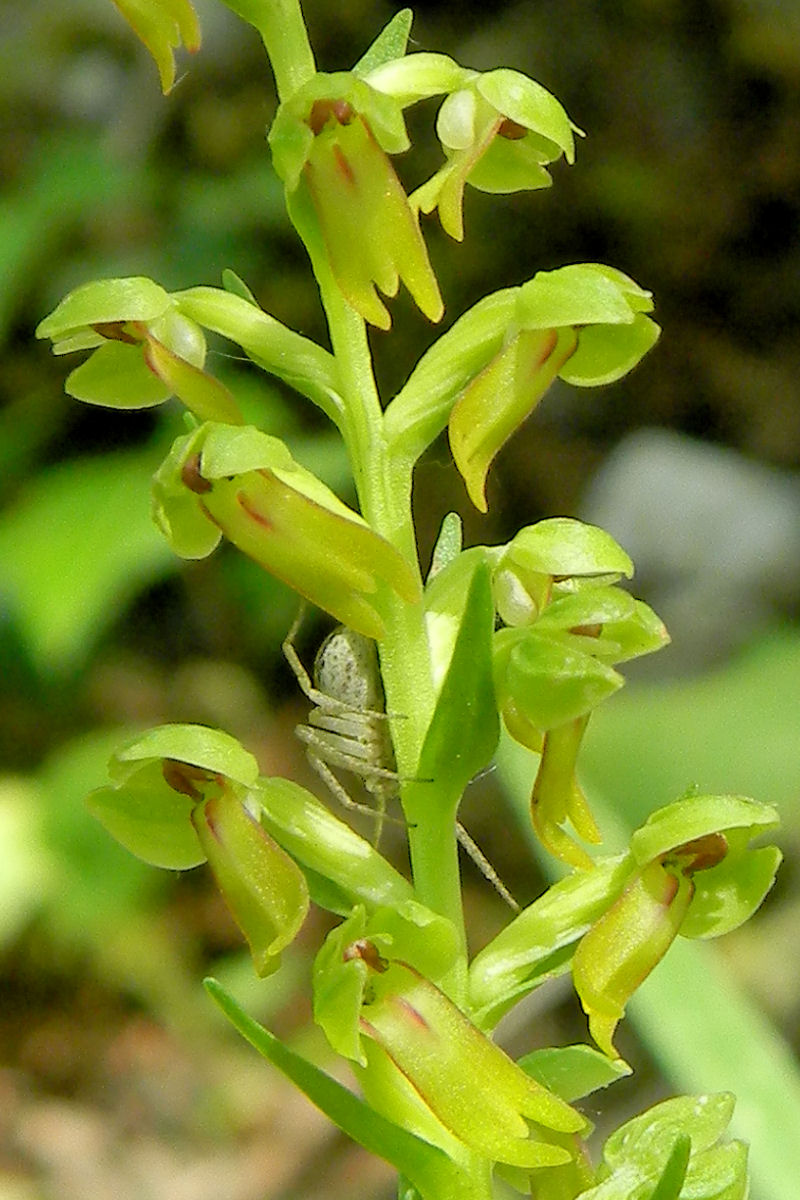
498, 130
240, 482
181, 795
702, 885
583, 323
163, 25
330, 143
144, 349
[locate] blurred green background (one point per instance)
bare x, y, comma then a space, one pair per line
116, 1075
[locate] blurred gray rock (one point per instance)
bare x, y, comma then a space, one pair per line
715, 538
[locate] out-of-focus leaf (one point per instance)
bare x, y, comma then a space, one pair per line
75, 548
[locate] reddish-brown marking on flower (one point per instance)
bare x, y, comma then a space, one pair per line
181, 777
192, 476
323, 110
366, 951
512, 130
344, 166
412, 1013
115, 331
702, 852
258, 517
594, 630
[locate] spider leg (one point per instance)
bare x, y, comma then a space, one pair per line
484, 866
378, 814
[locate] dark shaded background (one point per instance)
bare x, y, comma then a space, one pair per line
116, 1076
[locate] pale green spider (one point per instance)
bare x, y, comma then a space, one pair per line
348, 727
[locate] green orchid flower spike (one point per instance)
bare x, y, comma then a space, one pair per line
144, 349
410, 695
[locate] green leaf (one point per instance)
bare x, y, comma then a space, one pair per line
435, 1176
463, 732
57, 533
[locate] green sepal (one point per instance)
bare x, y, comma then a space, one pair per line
409, 932
695, 817
573, 1072
262, 886
328, 847
147, 815
433, 1174
414, 77
566, 547
538, 944
580, 294
101, 302
637, 1157
525, 101
465, 728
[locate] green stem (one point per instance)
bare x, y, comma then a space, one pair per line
383, 481
283, 32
